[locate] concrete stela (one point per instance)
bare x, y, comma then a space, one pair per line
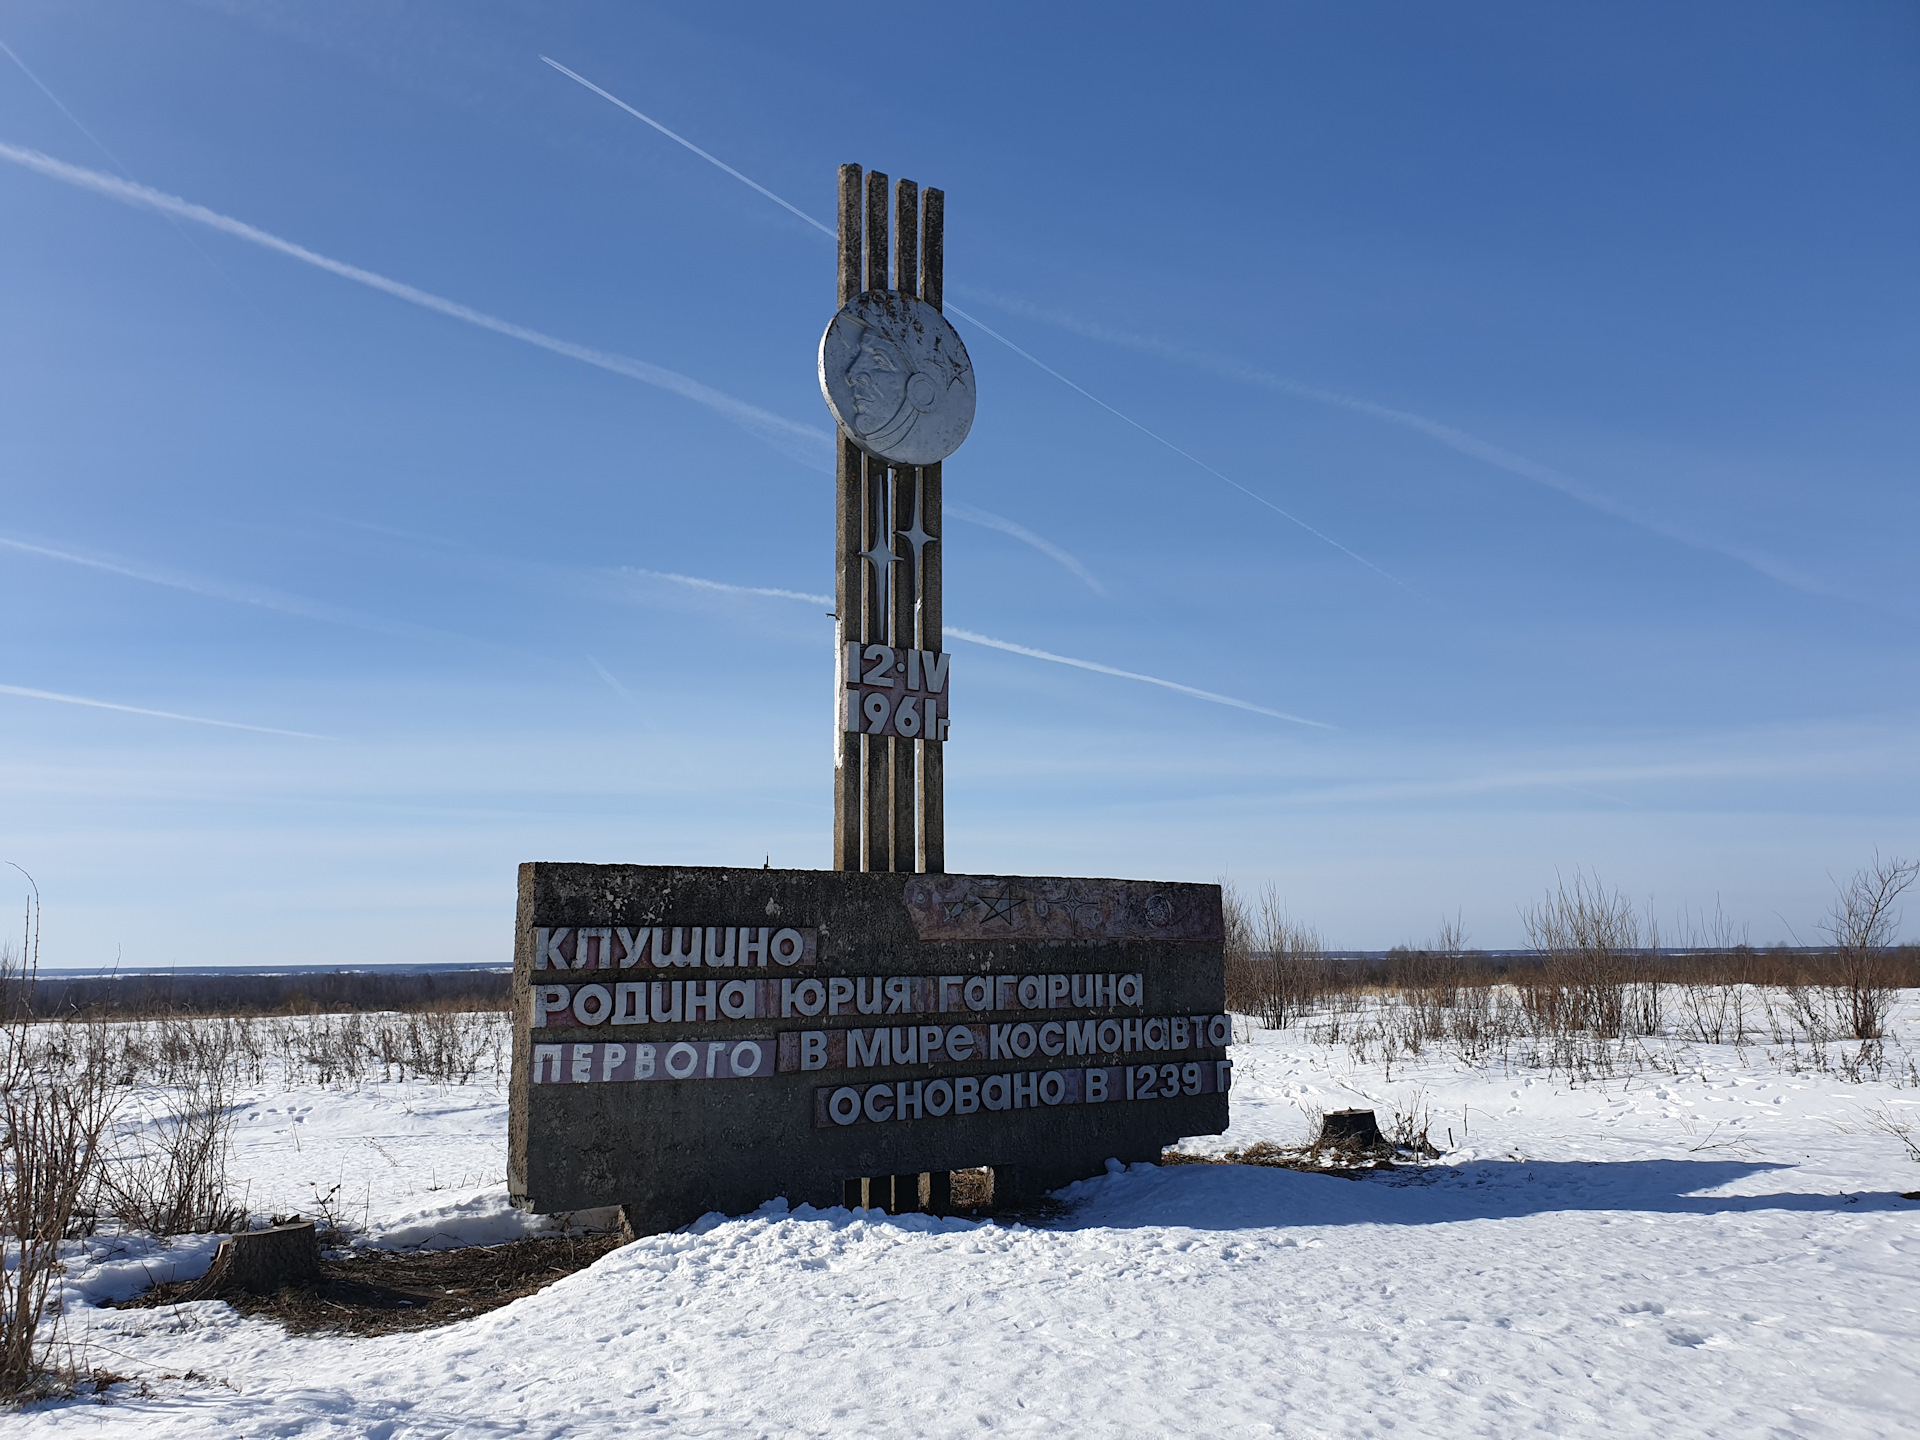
690, 1039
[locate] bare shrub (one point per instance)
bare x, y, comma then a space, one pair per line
1715, 980
1863, 924
1886, 1121
1243, 977
1283, 968
57, 1098
1593, 979
169, 1176
1408, 1125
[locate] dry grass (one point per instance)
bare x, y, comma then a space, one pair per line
1598, 996
377, 1292
131, 1119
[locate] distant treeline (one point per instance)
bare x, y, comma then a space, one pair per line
1410, 966
334, 992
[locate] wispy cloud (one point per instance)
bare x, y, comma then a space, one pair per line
810, 445
973, 637
975, 516
28, 694
1450, 436
243, 595
982, 325
215, 589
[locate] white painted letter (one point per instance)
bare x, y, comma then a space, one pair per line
753, 946
933, 666
939, 1098
866, 1047
702, 995
807, 997
669, 952
736, 999
546, 948
633, 946
583, 948
592, 1004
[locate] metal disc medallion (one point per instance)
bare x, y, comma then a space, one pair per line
897, 378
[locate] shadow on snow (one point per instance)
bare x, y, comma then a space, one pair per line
1233, 1197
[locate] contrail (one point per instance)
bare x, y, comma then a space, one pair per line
1183, 454
1448, 435
974, 638
157, 714
238, 594
977, 639
98, 143
120, 165
618, 689
975, 320
1020, 532
697, 583
807, 444
219, 590
682, 140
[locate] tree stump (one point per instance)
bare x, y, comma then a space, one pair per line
261, 1261
1351, 1132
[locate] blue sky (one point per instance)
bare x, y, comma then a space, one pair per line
1576, 341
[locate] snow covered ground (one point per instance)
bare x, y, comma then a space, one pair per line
1724, 1250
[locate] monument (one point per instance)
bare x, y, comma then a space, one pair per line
695, 1038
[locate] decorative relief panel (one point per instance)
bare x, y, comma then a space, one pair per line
987, 907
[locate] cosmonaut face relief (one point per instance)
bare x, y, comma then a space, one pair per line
897, 378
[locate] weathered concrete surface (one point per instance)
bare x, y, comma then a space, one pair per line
671, 1150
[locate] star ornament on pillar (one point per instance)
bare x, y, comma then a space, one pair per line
919, 539
882, 557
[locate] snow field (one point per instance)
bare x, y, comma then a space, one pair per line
1721, 1251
